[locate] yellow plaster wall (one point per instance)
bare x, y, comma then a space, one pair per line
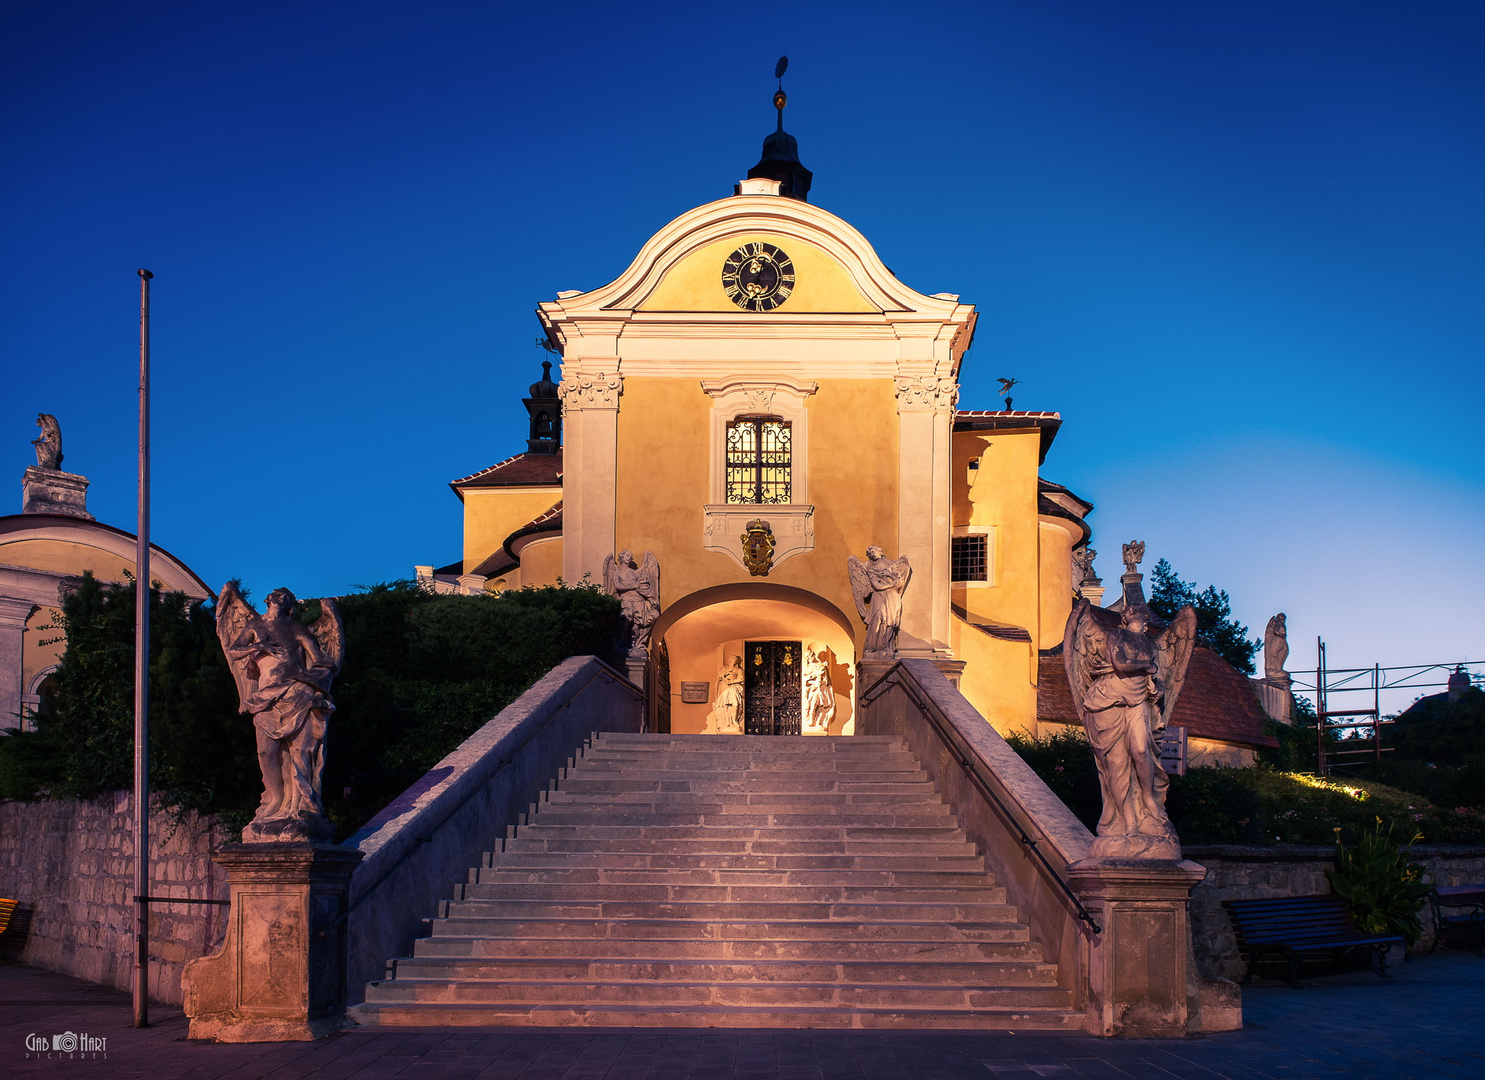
664, 461
492, 514
695, 282
35, 654
1056, 584
541, 562
66, 557
999, 678
1001, 492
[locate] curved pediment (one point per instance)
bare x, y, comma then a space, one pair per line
680, 268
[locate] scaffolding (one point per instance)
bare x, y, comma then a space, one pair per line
1358, 732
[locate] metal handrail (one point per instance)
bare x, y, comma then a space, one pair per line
966, 762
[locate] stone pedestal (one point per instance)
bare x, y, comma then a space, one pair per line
636, 667
1138, 968
52, 491
280, 976
1276, 698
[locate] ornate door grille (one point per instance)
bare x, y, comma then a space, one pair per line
771, 688
759, 460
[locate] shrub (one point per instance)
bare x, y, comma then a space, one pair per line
1382, 889
422, 673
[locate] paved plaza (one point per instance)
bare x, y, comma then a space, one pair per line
1428, 1020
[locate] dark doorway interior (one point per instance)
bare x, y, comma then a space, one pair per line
771, 687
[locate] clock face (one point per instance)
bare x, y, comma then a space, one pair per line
758, 277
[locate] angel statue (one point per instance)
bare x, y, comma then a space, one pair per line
1124, 685
283, 671
49, 444
638, 590
819, 698
726, 717
877, 586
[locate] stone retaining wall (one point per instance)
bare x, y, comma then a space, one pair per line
1252, 873
70, 865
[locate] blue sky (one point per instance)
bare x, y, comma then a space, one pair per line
1237, 245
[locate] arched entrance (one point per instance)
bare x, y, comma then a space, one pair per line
698, 637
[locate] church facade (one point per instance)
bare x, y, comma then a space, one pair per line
756, 400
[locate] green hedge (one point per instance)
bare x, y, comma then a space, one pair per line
1260, 805
422, 673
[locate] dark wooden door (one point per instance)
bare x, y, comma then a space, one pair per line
771, 687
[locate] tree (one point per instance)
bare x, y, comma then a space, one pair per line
1219, 631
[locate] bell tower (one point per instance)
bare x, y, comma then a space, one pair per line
545, 409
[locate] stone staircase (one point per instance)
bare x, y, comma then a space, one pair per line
730, 881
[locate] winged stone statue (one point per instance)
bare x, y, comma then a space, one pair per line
1125, 685
638, 590
283, 671
877, 586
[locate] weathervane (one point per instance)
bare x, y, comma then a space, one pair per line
1005, 391
780, 99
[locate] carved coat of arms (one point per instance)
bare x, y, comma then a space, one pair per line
757, 547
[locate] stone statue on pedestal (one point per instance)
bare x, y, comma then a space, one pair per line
819, 697
877, 586
283, 671
638, 590
1276, 649
49, 444
1134, 552
1124, 685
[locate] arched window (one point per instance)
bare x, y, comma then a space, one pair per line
759, 460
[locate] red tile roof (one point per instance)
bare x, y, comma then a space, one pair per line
972, 414
1047, 423
522, 470
1217, 701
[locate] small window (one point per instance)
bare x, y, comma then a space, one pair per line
968, 557
759, 460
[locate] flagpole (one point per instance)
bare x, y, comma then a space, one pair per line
141, 676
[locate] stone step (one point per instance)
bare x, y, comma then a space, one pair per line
836, 949
747, 801
769, 833
731, 910
702, 881
681, 929
572, 840
497, 992
432, 1014
583, 877
517, 860
713, 816
904, 975
815, 743
728, 767
569, 892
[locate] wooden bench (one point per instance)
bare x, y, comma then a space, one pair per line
1469, 897
1293, 925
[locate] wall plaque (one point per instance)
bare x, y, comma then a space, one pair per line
694, 693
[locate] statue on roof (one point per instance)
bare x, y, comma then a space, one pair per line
49, 443
877, 586
1134, 552
1125, 685
1276, 648
638, 588
283, 671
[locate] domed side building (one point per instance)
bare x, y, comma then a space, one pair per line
755, 400
44, 551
